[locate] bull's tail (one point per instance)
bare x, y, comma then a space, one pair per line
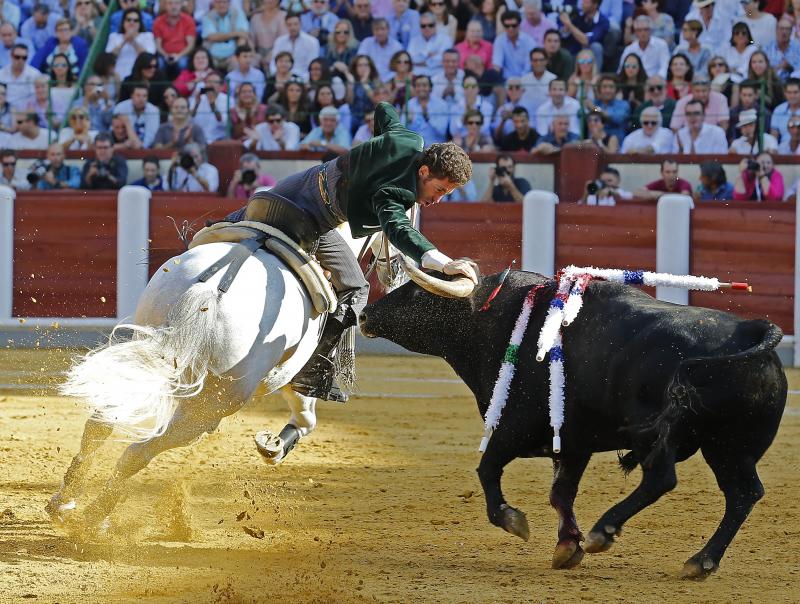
135, 384
703, 385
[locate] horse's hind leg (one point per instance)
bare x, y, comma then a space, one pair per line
94, 435
303, 420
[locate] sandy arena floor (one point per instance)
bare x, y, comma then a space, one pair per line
381, 503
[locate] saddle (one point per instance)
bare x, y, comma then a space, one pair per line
252, 235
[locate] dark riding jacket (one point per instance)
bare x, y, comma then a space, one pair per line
382, 175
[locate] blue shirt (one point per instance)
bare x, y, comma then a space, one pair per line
594, 28
432, 129
550, 138
69, 175
776, 57
780, 119
158, 186
723, 193
310, 21
340, 137
513, 59
401, 28
213, 23
37, 36
612, 10
618, 112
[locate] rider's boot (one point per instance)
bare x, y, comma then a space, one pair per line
317, 378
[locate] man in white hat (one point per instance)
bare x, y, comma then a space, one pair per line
748, 142
652, 137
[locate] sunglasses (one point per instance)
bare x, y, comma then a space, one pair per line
131, 20
585, 61
11, 164
343, 31
720, 64
427, 25
20, 58
655, 88
630, 65
275, 120
60, 64
694, 113
467, 86
793, 126
649, 123
514, 86
474, 123
400, 61
511, 25
20, 122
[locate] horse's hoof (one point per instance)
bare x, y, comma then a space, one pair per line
568, 554
698, 567
515, 522
59, 511
270, 446
597, 542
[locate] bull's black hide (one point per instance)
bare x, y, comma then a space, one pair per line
654, 378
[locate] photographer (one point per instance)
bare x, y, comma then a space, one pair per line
52, 173
503, 186
606, 190
191, 172
106, 170
758, 180
8, 176
248, 178
210, 108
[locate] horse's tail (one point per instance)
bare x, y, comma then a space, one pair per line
134, 384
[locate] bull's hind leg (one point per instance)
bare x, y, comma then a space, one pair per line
95, 434
657, 479
302, 422
737, 478
567, 474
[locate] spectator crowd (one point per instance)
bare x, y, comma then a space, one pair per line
515, 76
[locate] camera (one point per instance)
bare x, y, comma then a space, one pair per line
593, 187
102, 170
753, 166
205, 89
248, 177
500, 171
38, 171
186, 161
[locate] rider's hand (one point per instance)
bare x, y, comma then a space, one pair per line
462, 266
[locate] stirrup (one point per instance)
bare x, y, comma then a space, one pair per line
334, 393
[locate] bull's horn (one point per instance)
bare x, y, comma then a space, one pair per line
457, 288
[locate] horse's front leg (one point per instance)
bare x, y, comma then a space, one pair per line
302, 422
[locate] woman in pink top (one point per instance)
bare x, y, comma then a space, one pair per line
767, 177
474, 44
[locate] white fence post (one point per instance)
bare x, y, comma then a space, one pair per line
539, 232
133, 232
7, 197
673, 240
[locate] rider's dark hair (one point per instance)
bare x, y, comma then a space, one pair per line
448, 160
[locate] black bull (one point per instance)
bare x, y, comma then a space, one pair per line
657, 379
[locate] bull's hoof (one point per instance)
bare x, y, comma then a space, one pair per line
597, 542
271, 447
698, 567
515, 522
568, 554
59, 510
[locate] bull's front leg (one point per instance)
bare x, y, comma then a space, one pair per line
567, 472
499, 452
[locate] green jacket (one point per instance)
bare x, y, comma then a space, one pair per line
382, 184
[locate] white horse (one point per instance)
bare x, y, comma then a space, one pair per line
195, 357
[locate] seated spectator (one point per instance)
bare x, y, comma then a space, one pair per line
446, 24
655, 96
427, 115
714, 185
523, 137
366, 130
669, 182
85, 21
167, 99
266, 26
143, 116
559, 103
512, 49
28, 135
758, 180
8, 38
63, 43
18, 78
715, 105
783, 54
606, 190
698, 136
362, 20
175, 33
62, 89
737, 53
790, 145
651, 137
679, 75
105, 68
748, 101
247, 112
785, 111
57, 174
10, 13
715, 20
319, 74
224, 29
552, 142
342, 49
145, 71
474, 45
106, 170
284, 64
123, 136
400, 84
40, 103
447, 81
632, 78
95, 102
7, 124
585, 30
190, 172
245, 72
129, 42
191, 80
490, 81
402, 22
294, 100
697, 53
475, 139
39, 27
117, 17
427, 47
276, 134
653, 51
503, 185
248, 178
597, 135
761, 24
77, 135
180, 130
615, 110
559, 61
303, 47
319, 22
722, 80
749, 143
324, 97
583, 81
535, 24
210, 108
488, 15
759, 70
151, 175
8, 175
471, 101
328, 136
535, 82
